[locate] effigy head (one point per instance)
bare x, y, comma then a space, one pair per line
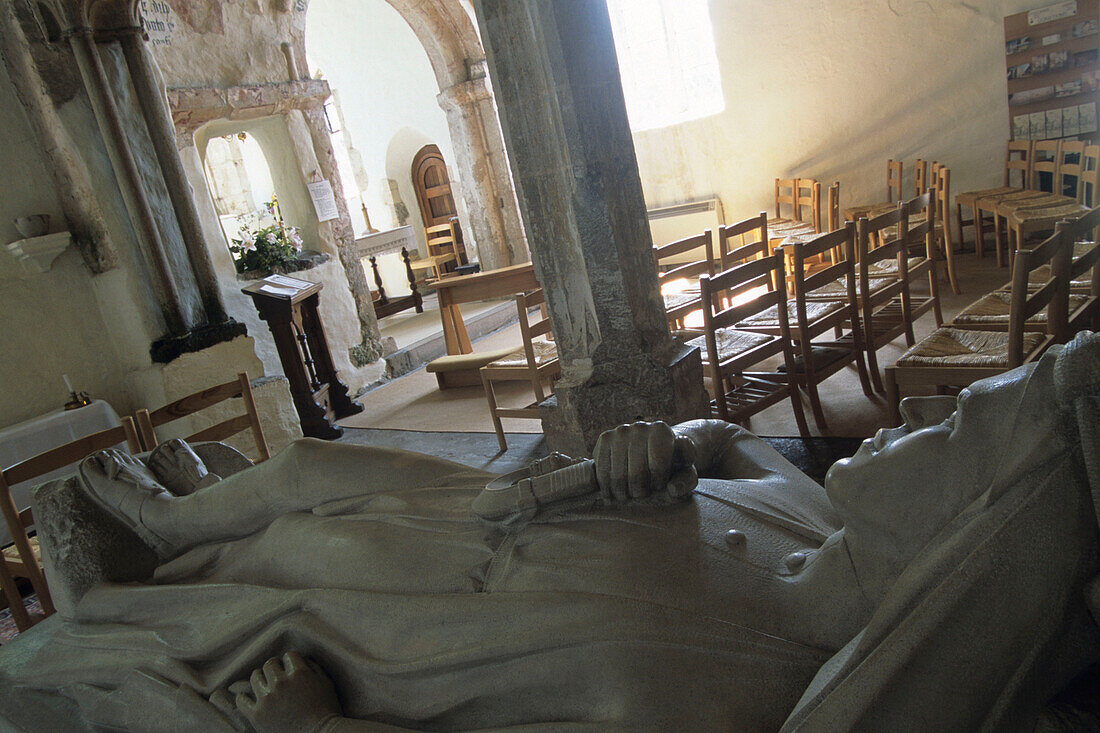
905, 484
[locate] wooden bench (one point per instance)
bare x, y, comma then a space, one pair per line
462, 370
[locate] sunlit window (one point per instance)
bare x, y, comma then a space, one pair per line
667, 59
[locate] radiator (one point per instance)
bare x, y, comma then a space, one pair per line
669, 223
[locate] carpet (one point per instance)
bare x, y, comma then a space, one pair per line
7, 623
415, 402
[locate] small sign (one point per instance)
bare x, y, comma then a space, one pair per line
324, 202
1057, 11
276, 290
288, 282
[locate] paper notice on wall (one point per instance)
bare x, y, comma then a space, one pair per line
324, 202
1057, 11
159, 21
1021, 127
1086, 118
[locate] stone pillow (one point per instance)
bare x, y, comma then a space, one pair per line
82, 544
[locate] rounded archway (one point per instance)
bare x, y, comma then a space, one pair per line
450, 40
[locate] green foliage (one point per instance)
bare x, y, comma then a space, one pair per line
266, 249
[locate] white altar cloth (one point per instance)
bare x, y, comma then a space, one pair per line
29, 438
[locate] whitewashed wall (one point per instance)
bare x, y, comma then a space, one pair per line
387, 90
831, 90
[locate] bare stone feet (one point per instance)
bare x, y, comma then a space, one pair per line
122, 485
179, 469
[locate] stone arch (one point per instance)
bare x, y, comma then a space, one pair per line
451, 42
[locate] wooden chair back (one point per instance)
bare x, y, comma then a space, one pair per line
1018, 159
785, 193
920, 176
886, 311
833, 207
742, 240
680, 260
443, 248
24, 562
1030, 295
893, 180
807, 202
807, 280
248, 419
1085, 233
752, 391
1089, 183
1045, 159
530, 330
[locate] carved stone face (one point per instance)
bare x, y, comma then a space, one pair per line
907, 483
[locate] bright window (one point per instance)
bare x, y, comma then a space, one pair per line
667, 60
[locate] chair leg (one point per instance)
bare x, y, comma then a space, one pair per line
872, 367
490, 395
959, 219
15, 601
998, 233
796, 405
979, 232
892, 394
810, 377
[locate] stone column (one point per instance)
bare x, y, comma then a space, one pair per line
556, 79
129, 179
154, 108
479, 146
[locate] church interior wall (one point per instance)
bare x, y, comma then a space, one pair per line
96, 329
391, 112
831, 91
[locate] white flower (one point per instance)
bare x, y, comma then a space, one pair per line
272, 237
295, 240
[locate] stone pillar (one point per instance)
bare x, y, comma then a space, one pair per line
556, 79
479, 146
154, 108
129, 179
62, 155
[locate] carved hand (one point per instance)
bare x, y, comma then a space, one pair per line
288, 696
644, 460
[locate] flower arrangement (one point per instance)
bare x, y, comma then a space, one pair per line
267, 248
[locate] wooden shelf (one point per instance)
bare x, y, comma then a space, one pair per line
1017, 27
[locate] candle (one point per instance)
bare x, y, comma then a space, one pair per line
68, 385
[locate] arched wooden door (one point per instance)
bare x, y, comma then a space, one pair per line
433, 188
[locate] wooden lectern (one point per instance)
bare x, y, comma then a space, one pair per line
289, 306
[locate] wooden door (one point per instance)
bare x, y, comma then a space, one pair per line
433, 187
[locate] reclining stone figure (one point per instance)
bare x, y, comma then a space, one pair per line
939, 581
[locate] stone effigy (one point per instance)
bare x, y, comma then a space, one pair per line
939, 581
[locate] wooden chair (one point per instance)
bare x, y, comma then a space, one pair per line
679, 261
956, 357
894, 170
1045, 155
786, 190
445, 253
920, 176
534, 361
885, 300
249, 419
1017, 162
730, 353
22, 558
1080, 177
734, 238
818, 358
803, 197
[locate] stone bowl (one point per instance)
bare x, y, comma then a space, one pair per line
34, 225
